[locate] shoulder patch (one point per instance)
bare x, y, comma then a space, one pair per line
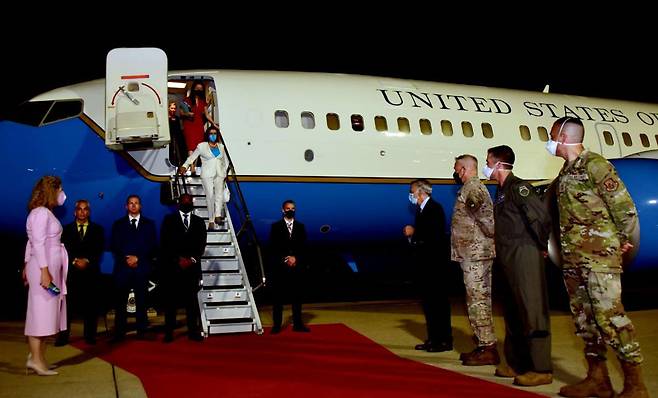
524, 191
611, 184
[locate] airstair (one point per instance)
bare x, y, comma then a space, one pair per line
226, 299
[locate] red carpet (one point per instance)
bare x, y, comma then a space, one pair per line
331, 361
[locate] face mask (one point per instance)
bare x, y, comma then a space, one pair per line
212, 137
61, 198
289, 214
413, 199
186, 207
551, 147
487, 171
199, 93
458, 180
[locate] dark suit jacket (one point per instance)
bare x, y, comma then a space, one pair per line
429, 230
90, 247
126, 241
282, 244
176, 241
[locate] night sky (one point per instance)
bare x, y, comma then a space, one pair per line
588, 61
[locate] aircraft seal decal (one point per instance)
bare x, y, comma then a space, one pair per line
524, 191
611, 184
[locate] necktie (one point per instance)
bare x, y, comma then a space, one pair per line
134, 223
289, 228
185, 222
81, 231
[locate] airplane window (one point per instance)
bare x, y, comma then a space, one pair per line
425, 127
380, 123
357, 122
467, 129
487, 130
62, 110
543, 133
446, 128
645, 140
607, 137
403, 125
627, 139
525, 133
333, 122
308, 120
656, 139
281, 119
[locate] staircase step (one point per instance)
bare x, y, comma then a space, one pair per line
219, 237
228, 312
218, 264
232, 327
217, 279
223, 296
219, 251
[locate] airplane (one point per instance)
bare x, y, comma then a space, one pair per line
344, 147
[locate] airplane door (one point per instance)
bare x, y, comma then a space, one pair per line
136, 99
608, 139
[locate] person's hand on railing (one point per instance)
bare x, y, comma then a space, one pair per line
182, 170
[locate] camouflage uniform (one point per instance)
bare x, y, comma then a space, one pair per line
472, 245
522, 228
597, 216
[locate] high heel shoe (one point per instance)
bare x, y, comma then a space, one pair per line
41, 372
50, 367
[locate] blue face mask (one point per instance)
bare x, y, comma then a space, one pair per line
212, 137
413, 199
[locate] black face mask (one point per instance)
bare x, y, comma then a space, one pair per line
198, 93
458, 180
186, 207
289, 213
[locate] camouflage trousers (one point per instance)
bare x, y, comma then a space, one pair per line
477, 280
595, 300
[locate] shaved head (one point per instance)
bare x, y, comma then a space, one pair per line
467, 161
572, 129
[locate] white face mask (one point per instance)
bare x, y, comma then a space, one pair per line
61, 198
488, 171
413, 199
551, 146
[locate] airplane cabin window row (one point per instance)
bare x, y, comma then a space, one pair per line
403, 126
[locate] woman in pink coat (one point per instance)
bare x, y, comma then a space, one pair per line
46, 263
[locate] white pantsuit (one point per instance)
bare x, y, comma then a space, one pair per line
213, 173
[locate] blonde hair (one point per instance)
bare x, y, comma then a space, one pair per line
45, 192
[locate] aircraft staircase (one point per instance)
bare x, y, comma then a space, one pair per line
226, 299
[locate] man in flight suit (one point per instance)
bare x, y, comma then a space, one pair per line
597, 217
522, 229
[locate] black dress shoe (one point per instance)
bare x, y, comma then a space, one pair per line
117, 339
301, 328
423, 346
168, 338
61, 341
275, 330
90, 340
440, 347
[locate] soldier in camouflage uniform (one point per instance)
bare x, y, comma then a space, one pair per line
472, 245
597, 217
521, 234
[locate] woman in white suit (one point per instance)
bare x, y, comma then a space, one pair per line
214, 167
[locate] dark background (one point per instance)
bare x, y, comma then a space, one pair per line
609, 55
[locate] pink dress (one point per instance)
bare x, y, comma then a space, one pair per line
46, 314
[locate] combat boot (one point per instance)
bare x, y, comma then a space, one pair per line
596, 384
485, 355
530, 379
633, 383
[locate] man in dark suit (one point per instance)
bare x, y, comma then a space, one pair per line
182, 242
430, 258
287, 266
84, 241
134, 246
